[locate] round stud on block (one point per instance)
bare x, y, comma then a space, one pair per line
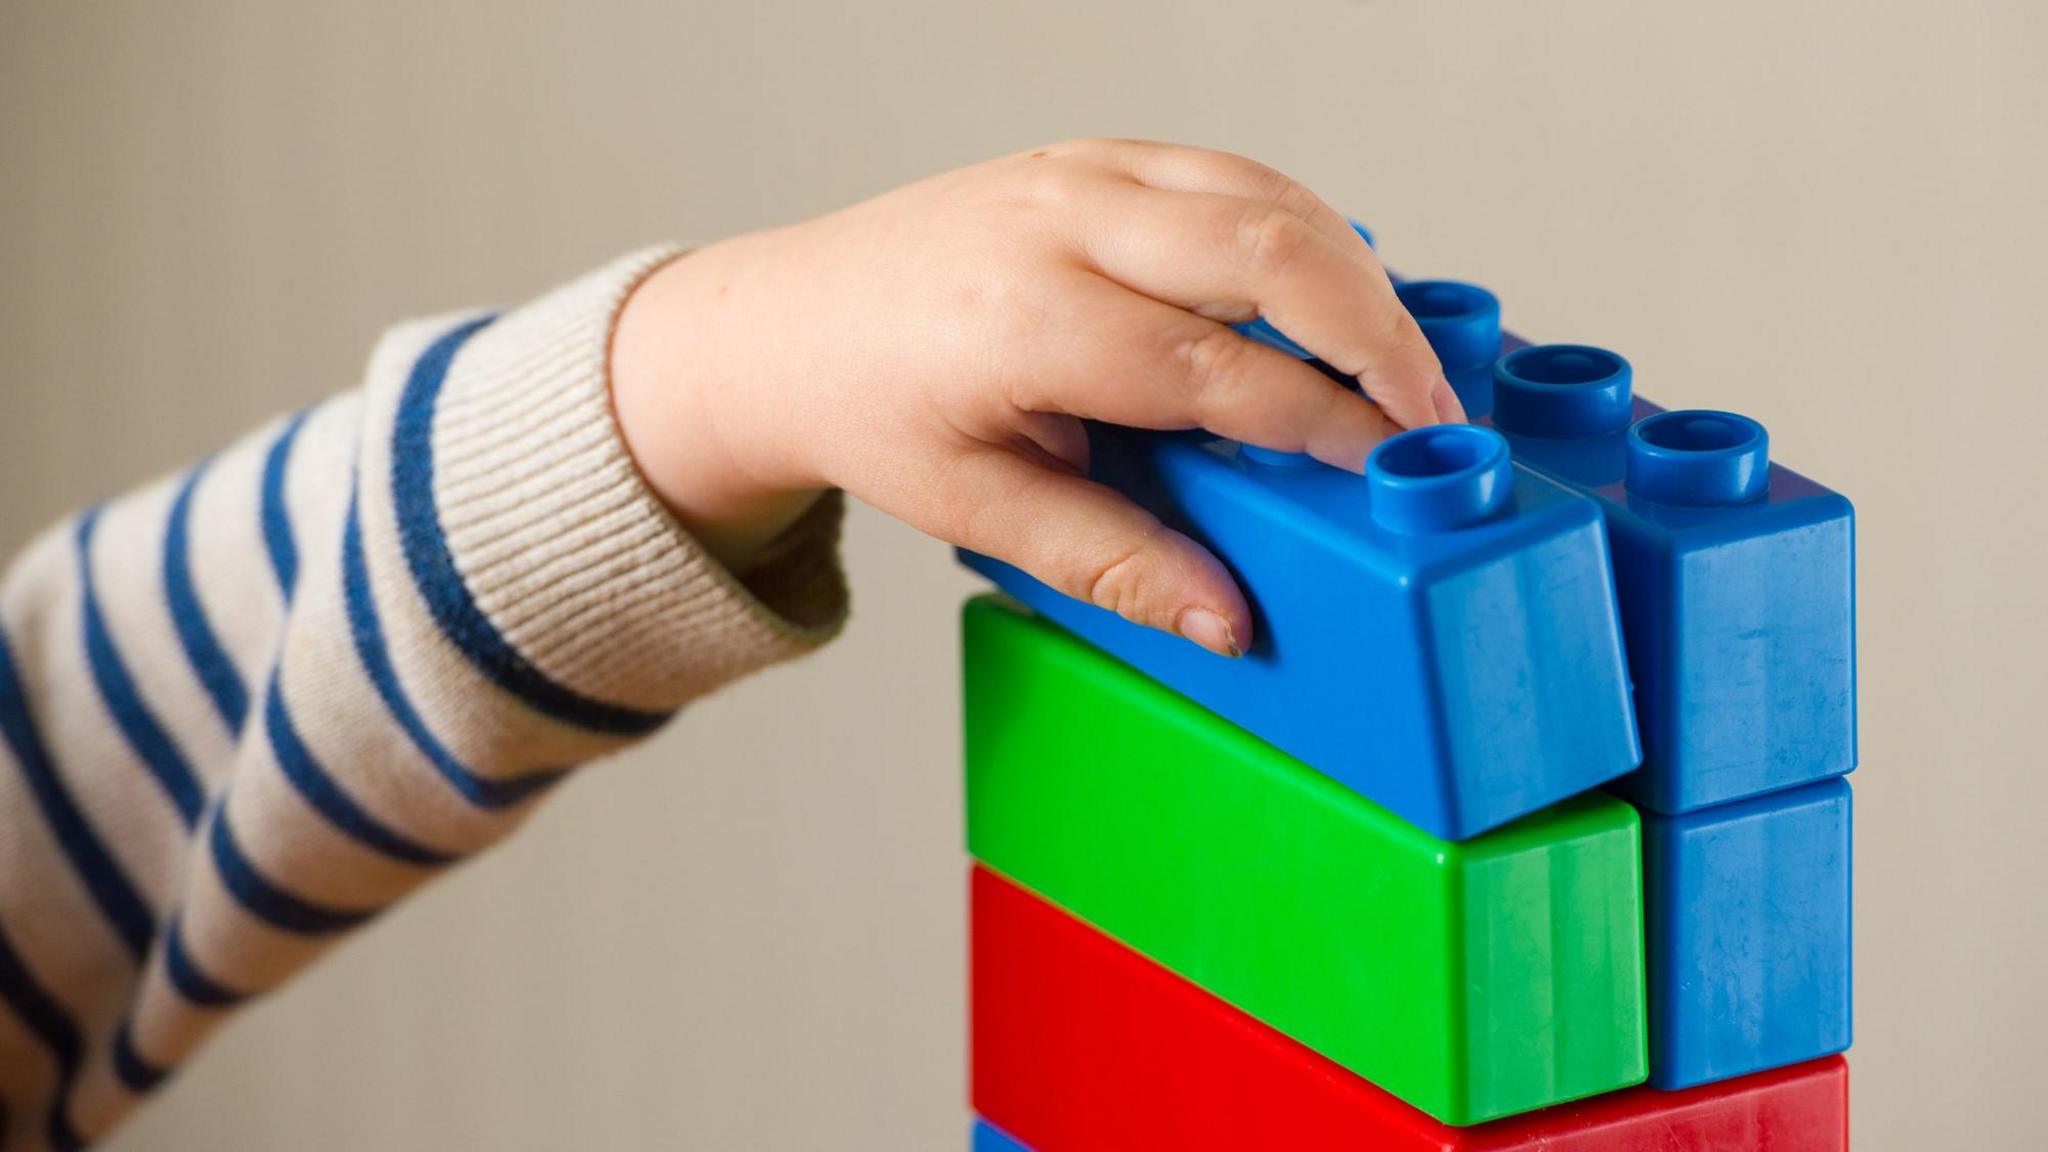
1461, 321
1440, 478
1363, 233
1698, 458
1561, 392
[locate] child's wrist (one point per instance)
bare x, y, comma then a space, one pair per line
668, 377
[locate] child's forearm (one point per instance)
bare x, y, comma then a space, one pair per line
247, 708
243, 711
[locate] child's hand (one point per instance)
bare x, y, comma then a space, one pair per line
933, 350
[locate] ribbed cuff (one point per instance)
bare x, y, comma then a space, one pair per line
566, 549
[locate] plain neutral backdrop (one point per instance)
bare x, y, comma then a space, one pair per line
749, 934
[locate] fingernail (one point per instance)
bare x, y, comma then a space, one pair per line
1210, 631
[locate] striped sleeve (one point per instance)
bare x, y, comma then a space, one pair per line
245, 710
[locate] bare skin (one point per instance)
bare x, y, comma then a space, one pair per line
934, 350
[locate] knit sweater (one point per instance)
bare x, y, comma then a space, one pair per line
245, 709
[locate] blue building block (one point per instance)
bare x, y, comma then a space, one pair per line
1439, 635
989, 1138
1736, 578
1747, 922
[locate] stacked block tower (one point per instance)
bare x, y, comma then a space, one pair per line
1522, 825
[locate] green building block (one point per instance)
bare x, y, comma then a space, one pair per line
1473, 980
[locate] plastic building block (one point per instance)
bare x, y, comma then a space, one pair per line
1747, 919
1473, 979
1736, 578
989, 1138
1438, 634
1082, 1045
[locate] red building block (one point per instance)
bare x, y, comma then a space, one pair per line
1081, 1045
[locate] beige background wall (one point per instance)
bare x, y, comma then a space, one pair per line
749, 935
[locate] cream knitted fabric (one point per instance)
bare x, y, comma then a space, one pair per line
245, 709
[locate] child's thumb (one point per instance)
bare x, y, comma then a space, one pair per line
1094, 545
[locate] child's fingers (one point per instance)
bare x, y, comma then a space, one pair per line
1056, 438
1449, 409
1179, 168
1090, 543
1129, 359
1229, 257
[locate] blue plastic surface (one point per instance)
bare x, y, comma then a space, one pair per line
1439, 635
989, 1138
1736, 578
1747, 921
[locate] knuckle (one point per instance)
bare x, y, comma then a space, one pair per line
1052, 177
1211, 358
972, 529
1239, 173
1115, 582
1409, 346
1278, 188
1273, 238
1301, 201
1271, 186
1053, 187
971, 524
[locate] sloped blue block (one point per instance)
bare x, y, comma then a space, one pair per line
1747, 922
1439, 635
1736, 578
989, 1138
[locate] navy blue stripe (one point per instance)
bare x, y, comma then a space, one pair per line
266, 901
138, 725
441, 585
189, 978
326, 794
40, 1013
210, 663
368, 629
277, 524
132, 1067
116, 895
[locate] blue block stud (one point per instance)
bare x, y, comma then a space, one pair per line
1563, 392
989, 1138
1462, 325
1736, 578
1439, 634
1746, 914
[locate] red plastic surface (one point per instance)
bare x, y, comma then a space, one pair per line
1081, 1045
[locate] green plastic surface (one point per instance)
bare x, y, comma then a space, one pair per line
1473, 980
